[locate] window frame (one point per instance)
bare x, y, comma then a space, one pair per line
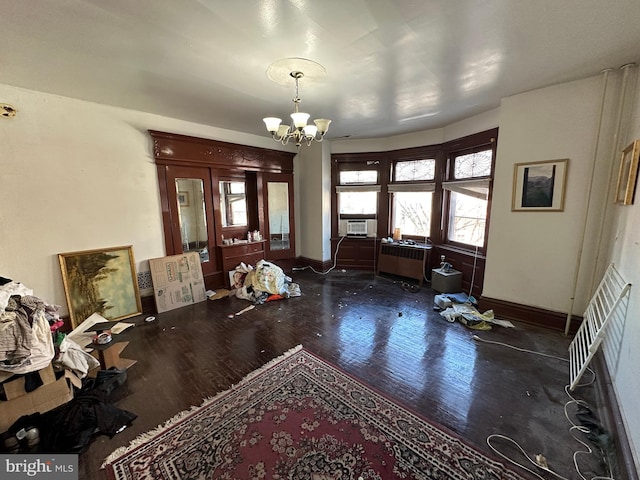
429, 186
384, 163
354, 166
469, 145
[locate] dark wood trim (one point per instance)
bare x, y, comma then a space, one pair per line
462, 146
210, 161
355, 253
613, 422
173, 148
528, 314
148, 305
317, 265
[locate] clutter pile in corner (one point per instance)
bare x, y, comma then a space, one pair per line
263, 283
48, 403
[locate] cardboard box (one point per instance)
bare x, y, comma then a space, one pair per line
177, 281
51, 394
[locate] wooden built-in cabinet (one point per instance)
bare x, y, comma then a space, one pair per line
234, 255
202, 182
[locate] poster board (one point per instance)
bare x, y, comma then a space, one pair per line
177, 281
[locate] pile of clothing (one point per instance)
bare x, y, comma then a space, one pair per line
264, 283
30, 337
26, 327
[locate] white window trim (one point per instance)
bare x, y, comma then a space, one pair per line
357, 188
472, 188
411, 187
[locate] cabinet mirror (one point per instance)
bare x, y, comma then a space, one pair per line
192, 217
233, 203
278, 207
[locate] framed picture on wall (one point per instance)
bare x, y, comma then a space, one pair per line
102, 281
628, 174
183, 199
539, 186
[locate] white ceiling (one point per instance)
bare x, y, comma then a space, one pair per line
392, 66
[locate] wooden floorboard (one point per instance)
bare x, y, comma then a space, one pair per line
390, 338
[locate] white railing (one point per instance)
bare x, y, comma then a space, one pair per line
606, 299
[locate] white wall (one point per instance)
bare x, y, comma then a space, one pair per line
77, 176
621, 347
312, 168
532, 256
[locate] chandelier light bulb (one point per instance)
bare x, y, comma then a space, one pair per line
322, 124
310, 130
300, 119
272, 123
283, 130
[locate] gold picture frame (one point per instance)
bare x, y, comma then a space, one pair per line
102, 281
539, 186
628, 174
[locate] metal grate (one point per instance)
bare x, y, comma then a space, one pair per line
607, 297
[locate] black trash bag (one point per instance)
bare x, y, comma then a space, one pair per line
70, 427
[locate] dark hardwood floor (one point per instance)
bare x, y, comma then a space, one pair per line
389, 338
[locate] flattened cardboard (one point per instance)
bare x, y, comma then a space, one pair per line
177, 281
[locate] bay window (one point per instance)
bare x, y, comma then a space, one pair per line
439, 192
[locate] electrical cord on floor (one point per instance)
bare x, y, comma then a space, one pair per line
335, 261
540, 461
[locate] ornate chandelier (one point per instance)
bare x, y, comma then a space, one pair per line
298, 131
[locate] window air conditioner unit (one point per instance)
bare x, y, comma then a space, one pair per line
356, 228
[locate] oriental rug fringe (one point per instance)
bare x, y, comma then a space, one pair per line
301, 418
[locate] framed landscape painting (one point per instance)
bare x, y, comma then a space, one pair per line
539, 186
100, 281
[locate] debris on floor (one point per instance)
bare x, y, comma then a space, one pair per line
462, 307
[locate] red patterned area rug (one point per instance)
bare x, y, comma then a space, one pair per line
301, 418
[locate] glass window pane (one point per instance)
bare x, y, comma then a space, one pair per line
233, 204
473, 165
413, 170
358, 203
358, 176
467, 219
412, 212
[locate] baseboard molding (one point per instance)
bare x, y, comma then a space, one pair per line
528, 314
613, 421
148, 304
317, 265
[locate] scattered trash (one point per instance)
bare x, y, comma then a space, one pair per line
407, 287
244, 310
462, 307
